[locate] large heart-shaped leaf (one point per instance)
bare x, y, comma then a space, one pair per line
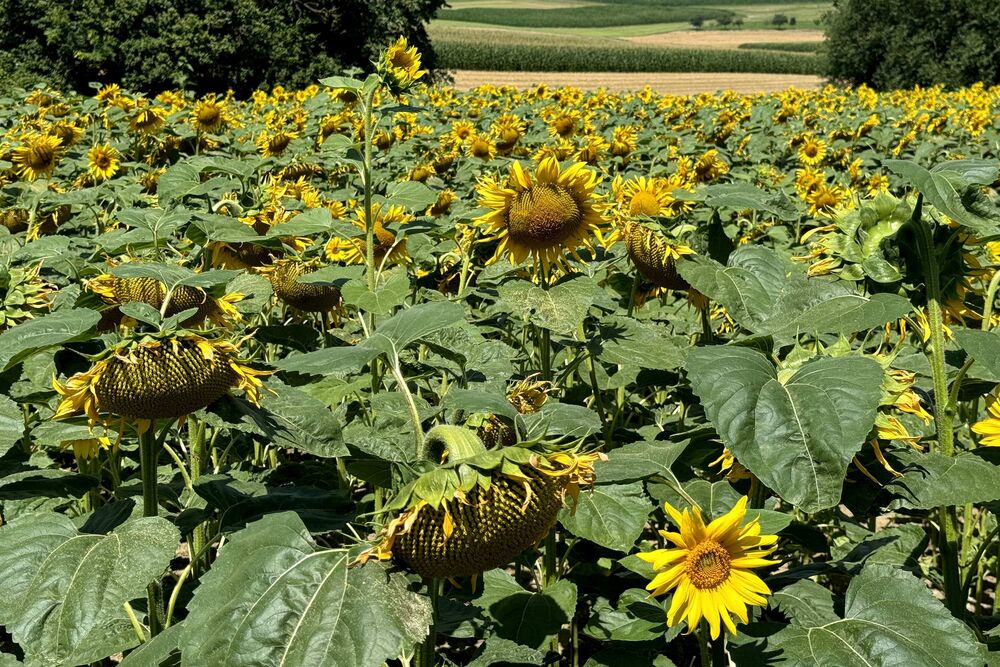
890, 618
797, 434
612, 515
65, 591
526, 617
273, 597
45, 332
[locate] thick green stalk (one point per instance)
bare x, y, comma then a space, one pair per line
426, 654
148, 454
948, 536
196, 449
366, 175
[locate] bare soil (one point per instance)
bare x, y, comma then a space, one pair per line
673, 83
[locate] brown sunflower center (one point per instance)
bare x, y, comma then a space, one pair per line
644, 202
480, 148
40, 156
563, 125
102, 160
707, 565
208, 115
401, 59
543, 215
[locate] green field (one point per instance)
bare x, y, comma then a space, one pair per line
598, 35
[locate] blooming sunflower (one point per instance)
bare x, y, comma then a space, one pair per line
989, 428
709, 567
710, 167
542, 215
147, 120
387, 249
37, 155
209, 114
812, 151
645, 196
103, 162
402, 62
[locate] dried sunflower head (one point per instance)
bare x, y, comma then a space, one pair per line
479, 509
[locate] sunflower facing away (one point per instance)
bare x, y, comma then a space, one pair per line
709, 568
402, 62
542, 215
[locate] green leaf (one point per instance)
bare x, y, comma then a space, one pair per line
611, 515
178, 180
292, 418
984, 347
408, 326
11, 424
411, 194
832, 308
27, 338
341, 83
797, 435
805, 603
565, 419
328, 361
65, 590
500, 651
949, 192
888, 615
638, 460
388, 295
635, 618
525, 617
160, 651
630, 342
742, 196
274, 598
932, 479
559, 309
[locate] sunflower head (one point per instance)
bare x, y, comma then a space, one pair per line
209, 114
37, 155
542, 215
308, 297
400, 65
654, 256
709, 568
478, 510
119, 291
164, 378
102, 162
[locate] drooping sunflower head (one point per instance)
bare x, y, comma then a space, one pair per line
272, 144
304, 296
37, 155
709, 568
480, 509
710, 167
544, 215
119, 291
165, 378
147, 120
654, 256
103, 161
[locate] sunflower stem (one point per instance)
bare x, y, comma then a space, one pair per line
426, 654
703, 644
366, 176
758, 493
948, 537
196, 449
148, 457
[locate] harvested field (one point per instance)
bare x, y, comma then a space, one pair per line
675, 83
725, 39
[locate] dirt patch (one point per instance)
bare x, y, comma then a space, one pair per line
673, 83
725, 39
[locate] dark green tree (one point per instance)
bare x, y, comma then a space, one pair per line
903, 43
204, 45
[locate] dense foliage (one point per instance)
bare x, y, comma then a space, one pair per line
369, 373
900, 43
206, 45
588, 16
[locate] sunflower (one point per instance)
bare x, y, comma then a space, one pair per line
147, 120
623, 141
481, 147
37, 155
825, 199
709, 567
989, 428
119, 291
102, 162
304, 296
274, 144
812, 151
645, 196
401, 63
542, 215
654, 256
479, 509
508, 130
209, 114
152, 378
710, 167
387, 249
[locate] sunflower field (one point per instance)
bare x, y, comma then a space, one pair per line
378, 373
